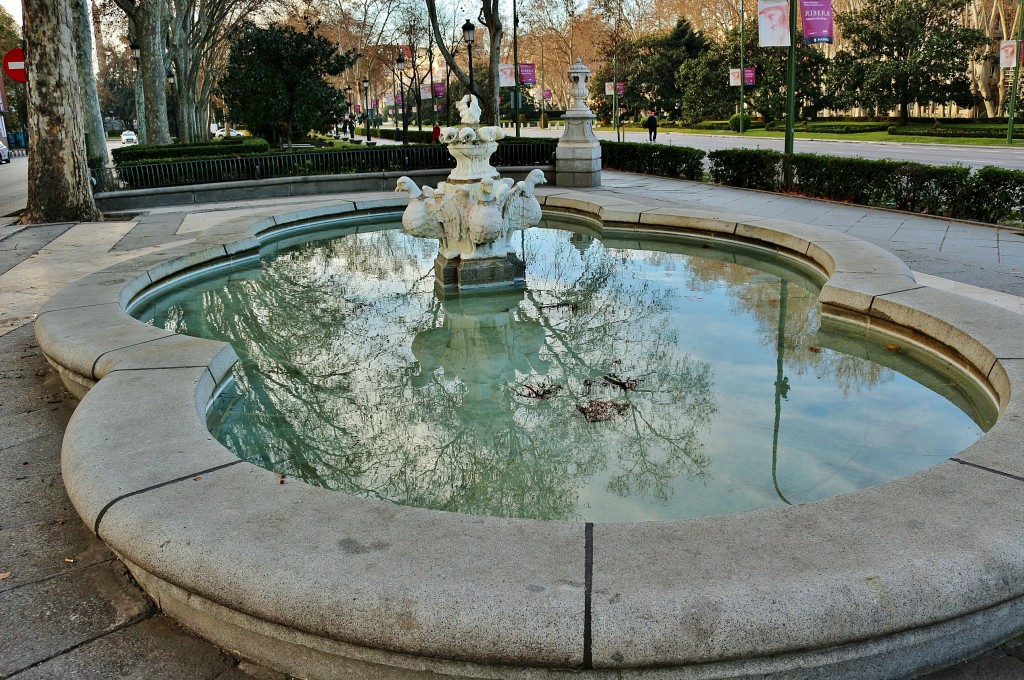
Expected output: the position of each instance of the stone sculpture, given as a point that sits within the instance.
(473, 214)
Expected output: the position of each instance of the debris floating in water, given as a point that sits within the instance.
(538, 391)
(602, 411)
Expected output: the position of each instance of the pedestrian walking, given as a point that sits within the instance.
(435, 135)
(652, 127)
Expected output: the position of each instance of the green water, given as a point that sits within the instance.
(722, 393)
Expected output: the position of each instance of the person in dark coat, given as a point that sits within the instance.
(652, 127)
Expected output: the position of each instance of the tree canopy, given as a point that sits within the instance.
(704, 82)
(275, 83)
(901, 52)
(647, 65)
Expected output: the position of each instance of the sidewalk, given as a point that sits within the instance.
(67, 609)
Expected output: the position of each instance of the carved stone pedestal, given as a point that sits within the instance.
(578, 155)
(457, 275)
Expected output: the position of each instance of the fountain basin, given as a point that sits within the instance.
(884, 582)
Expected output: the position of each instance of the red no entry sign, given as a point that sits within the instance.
(14, 64)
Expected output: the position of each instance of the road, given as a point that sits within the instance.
(14, 176)
(931, 154)
(13, 185)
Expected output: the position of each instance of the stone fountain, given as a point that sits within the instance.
(475, 212)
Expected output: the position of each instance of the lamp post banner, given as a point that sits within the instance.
(734, 77)
(547, 93)
(773, 23)
(527, 74)
(817, 16)
(425, 92)
(506, 75)
(750, 76)
(1008, 54)
(440, 89)
(389, 100)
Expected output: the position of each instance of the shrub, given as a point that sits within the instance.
(735, 120)
(747, 168)
(654, 159)
(994, 195)
(712, 125)
(238, 146)
(974, 132)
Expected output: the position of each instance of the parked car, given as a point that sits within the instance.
(129, 137)
(5, 154)
(233, 133)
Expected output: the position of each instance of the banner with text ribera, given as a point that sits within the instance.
(817, 26)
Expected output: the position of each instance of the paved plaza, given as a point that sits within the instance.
(67, 607)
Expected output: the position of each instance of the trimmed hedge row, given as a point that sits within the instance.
(980, 132)
(654, 159)
(238, 146)
(987, 195)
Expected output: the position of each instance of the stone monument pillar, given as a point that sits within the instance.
(578, 155)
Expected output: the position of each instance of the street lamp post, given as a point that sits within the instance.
(515, 61)
(743, 70)
(433, 95)
(366, 106)
(174, 103)
(140, 101)
(469, 34)
(348, 102)
(1016, 75)
(400, 68)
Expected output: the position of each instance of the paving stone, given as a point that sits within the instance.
(35, 499)
(33, 458)
(994, 665)
(40, 551)
(154, 649)
(41, 620)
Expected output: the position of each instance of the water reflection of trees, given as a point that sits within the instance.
(757, 295)
(330, 389)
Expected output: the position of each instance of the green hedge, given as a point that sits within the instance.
(747, 168)
(415, 136)
(238, 146)
(976, 132)
(991, 194)
(654, 159)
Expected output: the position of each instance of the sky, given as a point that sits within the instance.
(14, 7)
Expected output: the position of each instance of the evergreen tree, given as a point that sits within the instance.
(275, 81)
(901, 52)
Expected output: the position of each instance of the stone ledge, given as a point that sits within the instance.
(914, 574)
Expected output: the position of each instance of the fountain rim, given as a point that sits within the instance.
(915, 573)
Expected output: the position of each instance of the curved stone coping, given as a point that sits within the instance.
(888, 581)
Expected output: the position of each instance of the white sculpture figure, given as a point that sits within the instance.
(418, 220)
(469, 110)
(472, 213)
(490, 134)
(520, 208)
(485, 223)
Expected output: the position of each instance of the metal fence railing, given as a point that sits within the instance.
(382, 159)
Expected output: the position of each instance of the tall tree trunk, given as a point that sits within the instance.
(95, 139)
(97, 32)
(140, 110)
(58, 175)
(152, 39)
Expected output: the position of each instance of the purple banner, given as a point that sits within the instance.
(621, 88)
(750, 76)
(440, 89)
(398, 99)
(527, 74)
(817, 16)
(547, 94)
